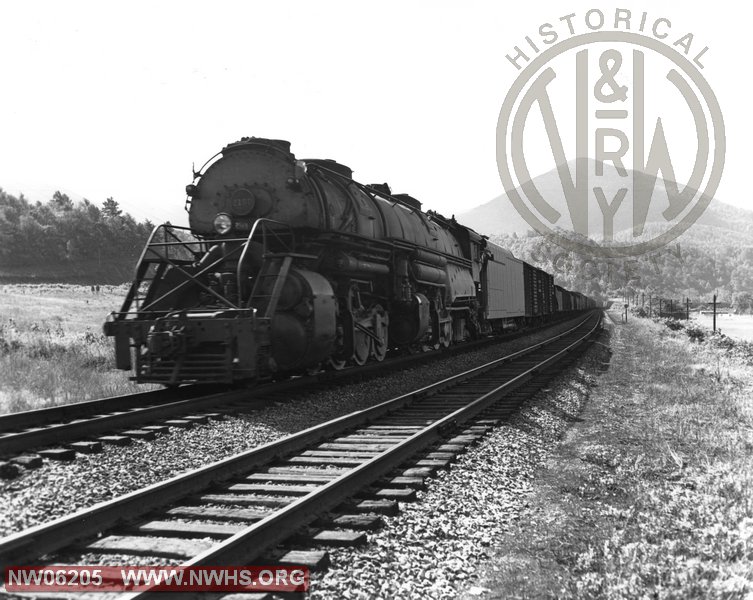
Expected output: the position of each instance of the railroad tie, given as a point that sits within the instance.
(335, 538)
(365, 521)
(86, 447)
(316, 560)
(149, 546)
(115, 440)
(57, 453)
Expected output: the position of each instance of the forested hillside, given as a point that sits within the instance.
(703, 261)
(714, 255)
(65, 241)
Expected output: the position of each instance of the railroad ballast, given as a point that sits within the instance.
(290, 265)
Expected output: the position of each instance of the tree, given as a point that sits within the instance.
(111, 209)
(61, 201)
(91, 210)
(743, 302)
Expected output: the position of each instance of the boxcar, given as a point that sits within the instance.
(539, 291)
(564, 299)
(579, 301)
(502, 285)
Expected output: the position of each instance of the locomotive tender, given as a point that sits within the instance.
(291, 265)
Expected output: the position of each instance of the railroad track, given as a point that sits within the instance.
(267, 495)
(82, 427)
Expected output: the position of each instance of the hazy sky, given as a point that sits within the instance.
(118, 99)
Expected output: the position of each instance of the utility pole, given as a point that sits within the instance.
(687, 308)
(660, 308)
(650, 308)
(714, 313)
(643, 298)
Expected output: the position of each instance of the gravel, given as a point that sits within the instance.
(58, 489)
(433, 547)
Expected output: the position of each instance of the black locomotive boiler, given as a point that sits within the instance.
(290, 265)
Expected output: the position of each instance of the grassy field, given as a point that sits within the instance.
(52, 350)
(735, 326)
(651, 494)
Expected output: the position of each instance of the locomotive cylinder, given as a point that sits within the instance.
(429, 258)
(351, 264)
(427, 274)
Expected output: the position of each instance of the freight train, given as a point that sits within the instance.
(291, 265)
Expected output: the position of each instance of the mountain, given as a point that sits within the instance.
(499, 216)
(714, 256)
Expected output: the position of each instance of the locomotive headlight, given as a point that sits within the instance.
(223, 223)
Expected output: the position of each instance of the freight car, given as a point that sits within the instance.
(291, 265)
(572, 301)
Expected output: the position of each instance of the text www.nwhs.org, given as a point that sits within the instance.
(158, 579)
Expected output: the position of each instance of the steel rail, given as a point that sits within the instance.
(59, 424)
(61, 532)
(64, 412)
(251, 543)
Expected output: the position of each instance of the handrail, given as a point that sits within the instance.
(150, 255)
(262, 224)
(156, 251)
(195, 279)
(136, 279)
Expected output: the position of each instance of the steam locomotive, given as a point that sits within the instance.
(290, 265)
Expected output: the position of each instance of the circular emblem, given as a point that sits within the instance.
(629, 136)
(242, 202)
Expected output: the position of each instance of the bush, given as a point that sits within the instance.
(696, 333)
(673, 324)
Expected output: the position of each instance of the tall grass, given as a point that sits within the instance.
(52, 350)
